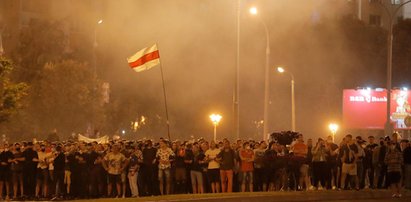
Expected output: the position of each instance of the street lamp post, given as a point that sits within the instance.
(282, 70)
(391, 15)
(95, 45)
(254, 11)
(333, 128)
(215, 118)
(237, 76)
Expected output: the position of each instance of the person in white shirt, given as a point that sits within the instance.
(42, 171)
(213, 172)
(164, 156)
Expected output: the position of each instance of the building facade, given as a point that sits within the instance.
(377, 12)
(78, 18)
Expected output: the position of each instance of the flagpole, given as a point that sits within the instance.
(165, 97)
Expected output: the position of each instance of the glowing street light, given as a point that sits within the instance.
(333, 128)
(282, 70)
(215, 118)
(254, 11)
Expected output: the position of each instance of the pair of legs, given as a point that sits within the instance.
(18, 180)
(396, 188)
(349, 169)
(148, 177)
(280, 179)
(249, 175)
(395, 183)
(132, 179)
(67, 181)
(319, 170)
(59, 182)
(226, 181)
(214, 180)
(180, 176)
(161, 174)
(96, 185)
(2, 183)
(114, 180)
(197, 182)
(304, 177)
(260, 178)
(380, 180)
(42, 182)
(332, 178)
(124, 184)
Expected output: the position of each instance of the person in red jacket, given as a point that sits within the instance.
(247, 166)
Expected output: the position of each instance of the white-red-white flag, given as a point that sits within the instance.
(144, 59)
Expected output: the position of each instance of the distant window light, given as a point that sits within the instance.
(375, 20)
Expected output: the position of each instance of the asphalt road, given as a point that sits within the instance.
(311, 196)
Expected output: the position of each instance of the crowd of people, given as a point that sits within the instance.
(78, 170)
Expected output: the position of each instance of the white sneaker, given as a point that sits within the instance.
(320, 188)
(311, 188)
(334, 188)
(394, 195)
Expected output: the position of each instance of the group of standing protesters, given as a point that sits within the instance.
(74, 170)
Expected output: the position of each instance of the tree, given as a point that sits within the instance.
(11, 93)
(68, 96)
(64, 92)
(40, 42)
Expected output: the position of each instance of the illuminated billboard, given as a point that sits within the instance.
(366, 109)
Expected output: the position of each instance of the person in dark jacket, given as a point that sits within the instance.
(59, 164)
(5, 155)
(196, 160)
(227, 158)
(149, 170)
(30, 169)
(17, 161)
(368, 164)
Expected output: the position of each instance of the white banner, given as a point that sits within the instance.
(101, 140)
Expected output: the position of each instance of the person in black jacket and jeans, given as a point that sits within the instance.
(59, 168)
(149, 170)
